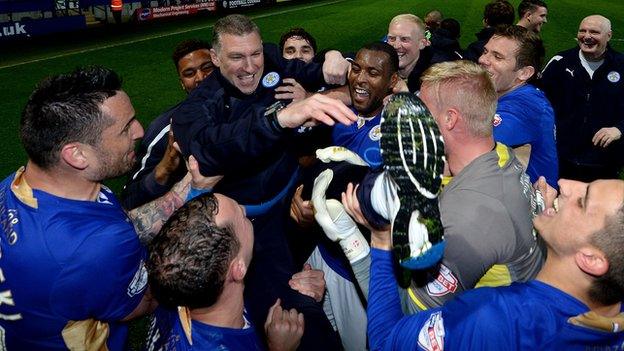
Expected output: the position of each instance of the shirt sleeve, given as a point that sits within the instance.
(476, 239)
(105, 279)
(222, 147)
(384, 308)
(513, 129)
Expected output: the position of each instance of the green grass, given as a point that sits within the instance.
(151, 82)
(149, 75)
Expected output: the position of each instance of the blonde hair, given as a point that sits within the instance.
(468, 88)
(408, 17)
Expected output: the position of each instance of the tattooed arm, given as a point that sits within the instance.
(149, 218)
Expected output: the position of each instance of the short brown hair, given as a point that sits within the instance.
(608, 289)
(237, 25)
(530, 46)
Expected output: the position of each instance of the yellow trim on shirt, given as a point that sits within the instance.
(503, 154)
(415, 299)
(22, 190)
(497, 275)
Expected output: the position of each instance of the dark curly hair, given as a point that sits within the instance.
(190, 256)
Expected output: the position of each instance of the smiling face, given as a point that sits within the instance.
(114, 154)
(240, 60)
(370, 81)
(499, 60)
(407, 39)
(537, 18)
(298, 48)
(582, 210)
(193, 68)
(593, 35)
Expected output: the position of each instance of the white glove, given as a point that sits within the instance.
(418, 236)
(384, 197)
(339, 153)
(335, 222)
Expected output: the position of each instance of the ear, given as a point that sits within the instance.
(215, 58)
(525, 73)
(591, 261)
(74, 154)
(609, 35)
(422, 43)
(394, 79)
(238, 269)
(450, 118)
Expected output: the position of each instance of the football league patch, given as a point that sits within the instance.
(139, 281)
(497, 120)
(431, 335)
(444, 283)
(270, 80)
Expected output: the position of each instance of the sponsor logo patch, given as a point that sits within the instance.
(497, 120)
(139, 281)
(444, 283)
(613, 77)
(431, 335)
(270, 80)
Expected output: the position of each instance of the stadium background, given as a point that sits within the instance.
(140, 53)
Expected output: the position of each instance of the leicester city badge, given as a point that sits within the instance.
(613, 77)
(270, 80)
(375, 133)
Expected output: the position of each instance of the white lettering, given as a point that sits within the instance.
(6, 298)
(19, 29)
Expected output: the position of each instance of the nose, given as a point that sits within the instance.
(567, 187)
(483, 60)
(248, 64)
(137, 130)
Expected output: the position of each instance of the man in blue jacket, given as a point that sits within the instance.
(234, 126)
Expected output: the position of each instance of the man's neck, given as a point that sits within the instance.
(407, 70)
(516, 85)
(60, 182)
(594, 58)
(556, 273)
(463, 153)
(227, 312)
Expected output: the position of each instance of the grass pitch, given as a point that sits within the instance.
(141, 53)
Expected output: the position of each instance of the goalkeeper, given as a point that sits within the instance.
(485, 206)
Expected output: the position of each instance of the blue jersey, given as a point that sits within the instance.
(524, 116)
(361, 137)
(174, 330)
(66, 265)
(522, 316)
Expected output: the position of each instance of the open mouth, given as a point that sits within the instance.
(360, 94)
(556, 204)
(246, 79)
(589, 42)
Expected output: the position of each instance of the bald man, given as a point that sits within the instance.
(585, 88)
(406, 34)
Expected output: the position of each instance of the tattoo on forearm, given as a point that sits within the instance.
(149, 218)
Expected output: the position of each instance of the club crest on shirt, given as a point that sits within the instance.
(444, 283)
(375, 133)
(431, 335)
(139, 281)
(497, 120)
(613, 77)
(270, 80)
